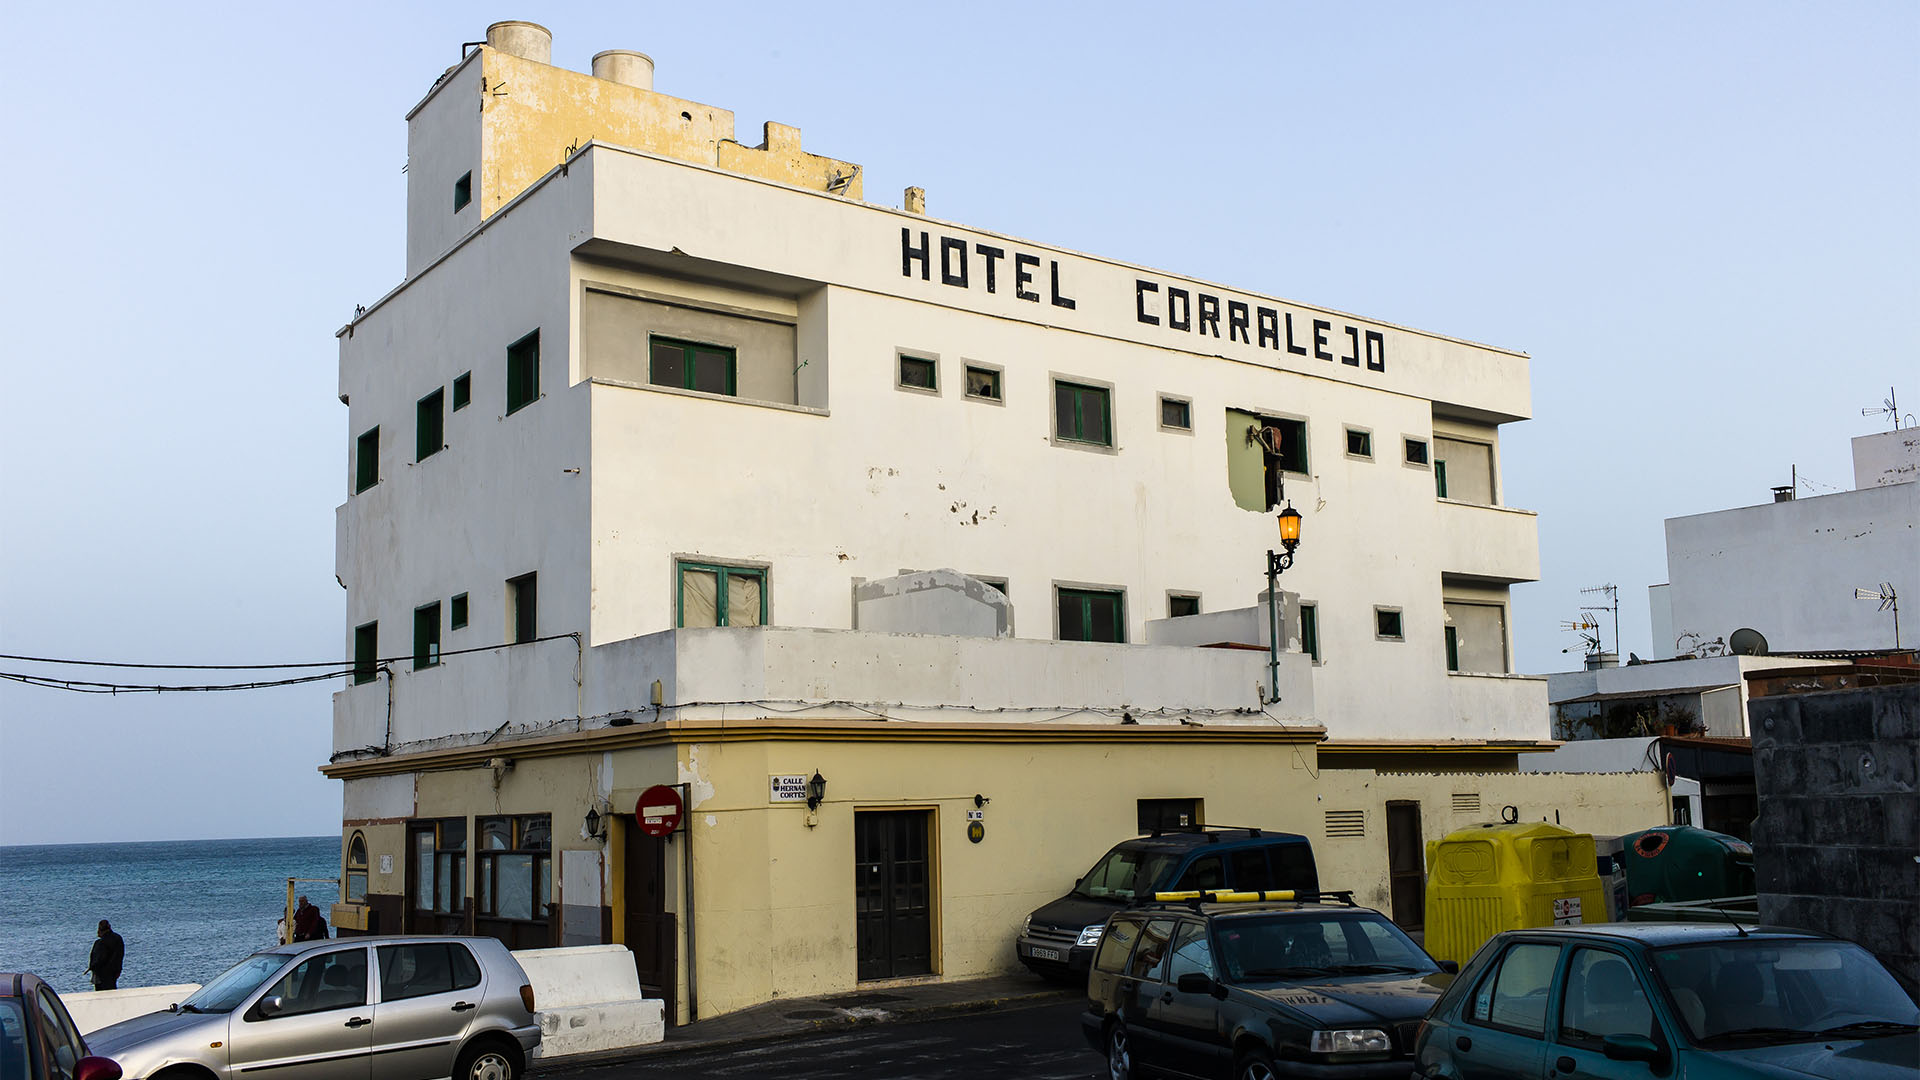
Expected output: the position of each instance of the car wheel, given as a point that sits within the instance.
(1119, 1052)
(487, 1061)
(1255, 1065)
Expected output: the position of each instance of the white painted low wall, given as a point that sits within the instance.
(588, 999)
(94, 1009)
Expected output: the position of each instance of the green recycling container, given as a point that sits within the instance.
(1679, 862)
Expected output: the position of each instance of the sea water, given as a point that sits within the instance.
(188, 909)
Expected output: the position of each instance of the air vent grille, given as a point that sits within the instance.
(1466, 802)
(1346, 824)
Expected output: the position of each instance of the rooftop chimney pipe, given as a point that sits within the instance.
(528, 41)
(624, 66)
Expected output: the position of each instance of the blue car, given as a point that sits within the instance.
(1665, 1001)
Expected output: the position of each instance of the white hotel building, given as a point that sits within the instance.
(641, 447)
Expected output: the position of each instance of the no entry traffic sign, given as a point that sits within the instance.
(658, 811)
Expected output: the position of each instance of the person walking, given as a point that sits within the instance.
(308, 923)
(103, 963)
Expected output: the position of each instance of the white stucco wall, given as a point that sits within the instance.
(1891, 457)
(1789, 569)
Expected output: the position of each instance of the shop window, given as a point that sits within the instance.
(1176, 414)
(366, 652)
(366, 460)
(711, 594)
(1180, 605)
(523, 608)
(523, 372)
(356, 876)
(1092, 615)
(919, 373)
(462, 192)
(1310, 630)
(1082, 414)
(693, 365)
(514, 876)
(426, 636)
(457, 612)
(1359, 443)
(983, 382)
(429, 425)
(1386, 624)
(439, 854)
(462, 390)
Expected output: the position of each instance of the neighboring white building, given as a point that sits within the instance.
(1788, 569)
(663, 459)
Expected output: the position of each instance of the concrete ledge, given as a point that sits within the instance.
(94, 1009)
(588, 1000)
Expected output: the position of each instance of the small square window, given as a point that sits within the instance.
(1176, 414)
(457, 615)
(919, 373)
(712, 594)
(1416, 451)
(1386, 624)
(462, 390)
(1180, 605)
(983, 383)
(1359, 443)
(1091, 614)
(523, 372)
(462, 192)
(1082, 414)
(426, 636)
(429, 425)
(366, 460)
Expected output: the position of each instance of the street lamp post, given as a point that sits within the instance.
(1277, 563)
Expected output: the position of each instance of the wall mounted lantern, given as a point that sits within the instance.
(816, 790)
(1277, 564)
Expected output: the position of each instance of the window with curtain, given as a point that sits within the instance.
(715, 595)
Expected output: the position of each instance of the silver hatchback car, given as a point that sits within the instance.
(386, 1008)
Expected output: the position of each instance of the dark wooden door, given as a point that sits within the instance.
(649, 926)
(892, 893)
(1406, 865)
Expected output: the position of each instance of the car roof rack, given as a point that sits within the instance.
(1211, 832)
(1195, 897)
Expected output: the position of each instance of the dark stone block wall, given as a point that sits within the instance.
(1836, 847)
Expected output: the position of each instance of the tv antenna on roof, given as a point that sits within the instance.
(1612, 593)
(1588, 631)
(1889, 601)
(1889, 408)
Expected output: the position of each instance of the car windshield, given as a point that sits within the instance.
(13, 1040)
(1745, 990)
(225, 993)
(1290, 944)
(1126, 875)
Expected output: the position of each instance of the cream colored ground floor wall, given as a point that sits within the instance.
(1604, 804)
(776, 907)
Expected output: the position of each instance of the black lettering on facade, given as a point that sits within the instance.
(1059, 300)
(1376, 351)
(1353, 359)
(1297, 350)
(1183, 320)
(948, 248)
(908, 253)
(1320, 328)
(1209, 314)
(1269, 321)
(1022, 277)
(1237, 322)
(1140, 291)
(992, 255)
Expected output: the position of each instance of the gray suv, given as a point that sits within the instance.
(388, 1008)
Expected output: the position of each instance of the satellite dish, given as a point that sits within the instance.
(1747, 642)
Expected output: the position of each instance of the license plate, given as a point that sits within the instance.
(1041, 952)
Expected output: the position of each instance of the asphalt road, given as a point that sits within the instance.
(1035, 1043)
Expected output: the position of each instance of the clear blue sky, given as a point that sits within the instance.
(1699, 219)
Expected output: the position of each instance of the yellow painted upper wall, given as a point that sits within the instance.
(533, 113)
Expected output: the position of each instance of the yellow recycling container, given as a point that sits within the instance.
(1488, 878)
